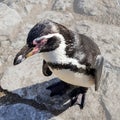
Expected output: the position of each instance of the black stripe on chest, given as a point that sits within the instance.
(71, 67)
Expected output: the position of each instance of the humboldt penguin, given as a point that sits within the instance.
(72, 57)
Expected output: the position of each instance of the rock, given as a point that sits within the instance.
(33, 74)
(38, 1)
(9, 3)
(53, 15)
(9, 19)
(88, 7)
(96, 7)
(21, 111)
(1, 67)
(62, 5)
(106, 11)
(109, 91)
(5, 43)
(43, 3)
(28, 8)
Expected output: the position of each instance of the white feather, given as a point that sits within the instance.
(78, 79)
(59, 55)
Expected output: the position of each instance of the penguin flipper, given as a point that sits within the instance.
(98, 71)
(45, 69)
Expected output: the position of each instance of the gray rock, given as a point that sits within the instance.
(22, 112)
(42, 3)
(10, 2)
(88, 7)
(106, 11)
(38, 1)
(57, 17)
(109, 92)
(1, 0)
(27, 74)
(62, 5)
(9, 18)
(28, 8)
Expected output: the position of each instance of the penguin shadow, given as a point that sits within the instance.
(40, 96)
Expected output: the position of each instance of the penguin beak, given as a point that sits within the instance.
(22, 54)
(27, 51)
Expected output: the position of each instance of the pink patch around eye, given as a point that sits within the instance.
(38, 45)
(34, 42)
(35, 50)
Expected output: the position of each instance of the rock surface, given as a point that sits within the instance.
(23, 88)
(89, 7)
(22, 112)
(9, 18)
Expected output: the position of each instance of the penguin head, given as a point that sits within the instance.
(43, 37)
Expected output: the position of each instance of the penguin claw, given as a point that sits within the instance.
(82, 101)
(58, 88)
(77, 96)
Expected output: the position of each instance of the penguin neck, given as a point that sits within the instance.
(58, 56)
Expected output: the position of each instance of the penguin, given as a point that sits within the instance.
(74, 58)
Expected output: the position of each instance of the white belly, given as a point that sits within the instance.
(59, 56)
(78, 79)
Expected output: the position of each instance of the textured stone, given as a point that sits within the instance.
(62, 5)
(43, 3)
(22, 112)
(28, 8)
(109, 92)
(96, 7)
(9, 18)
(57, 17)
(38, 1)
(88, 7)
(26, 73)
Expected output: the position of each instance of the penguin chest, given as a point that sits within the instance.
(74, 78)
(79, 79)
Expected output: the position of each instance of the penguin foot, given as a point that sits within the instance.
(77, 96)
(58, 88)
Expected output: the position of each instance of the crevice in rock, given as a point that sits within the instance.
(54, 2)
(1, 75)
(107, 113)
(111, 66)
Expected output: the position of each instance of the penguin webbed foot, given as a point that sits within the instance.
(77, 96)
(58, 88)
